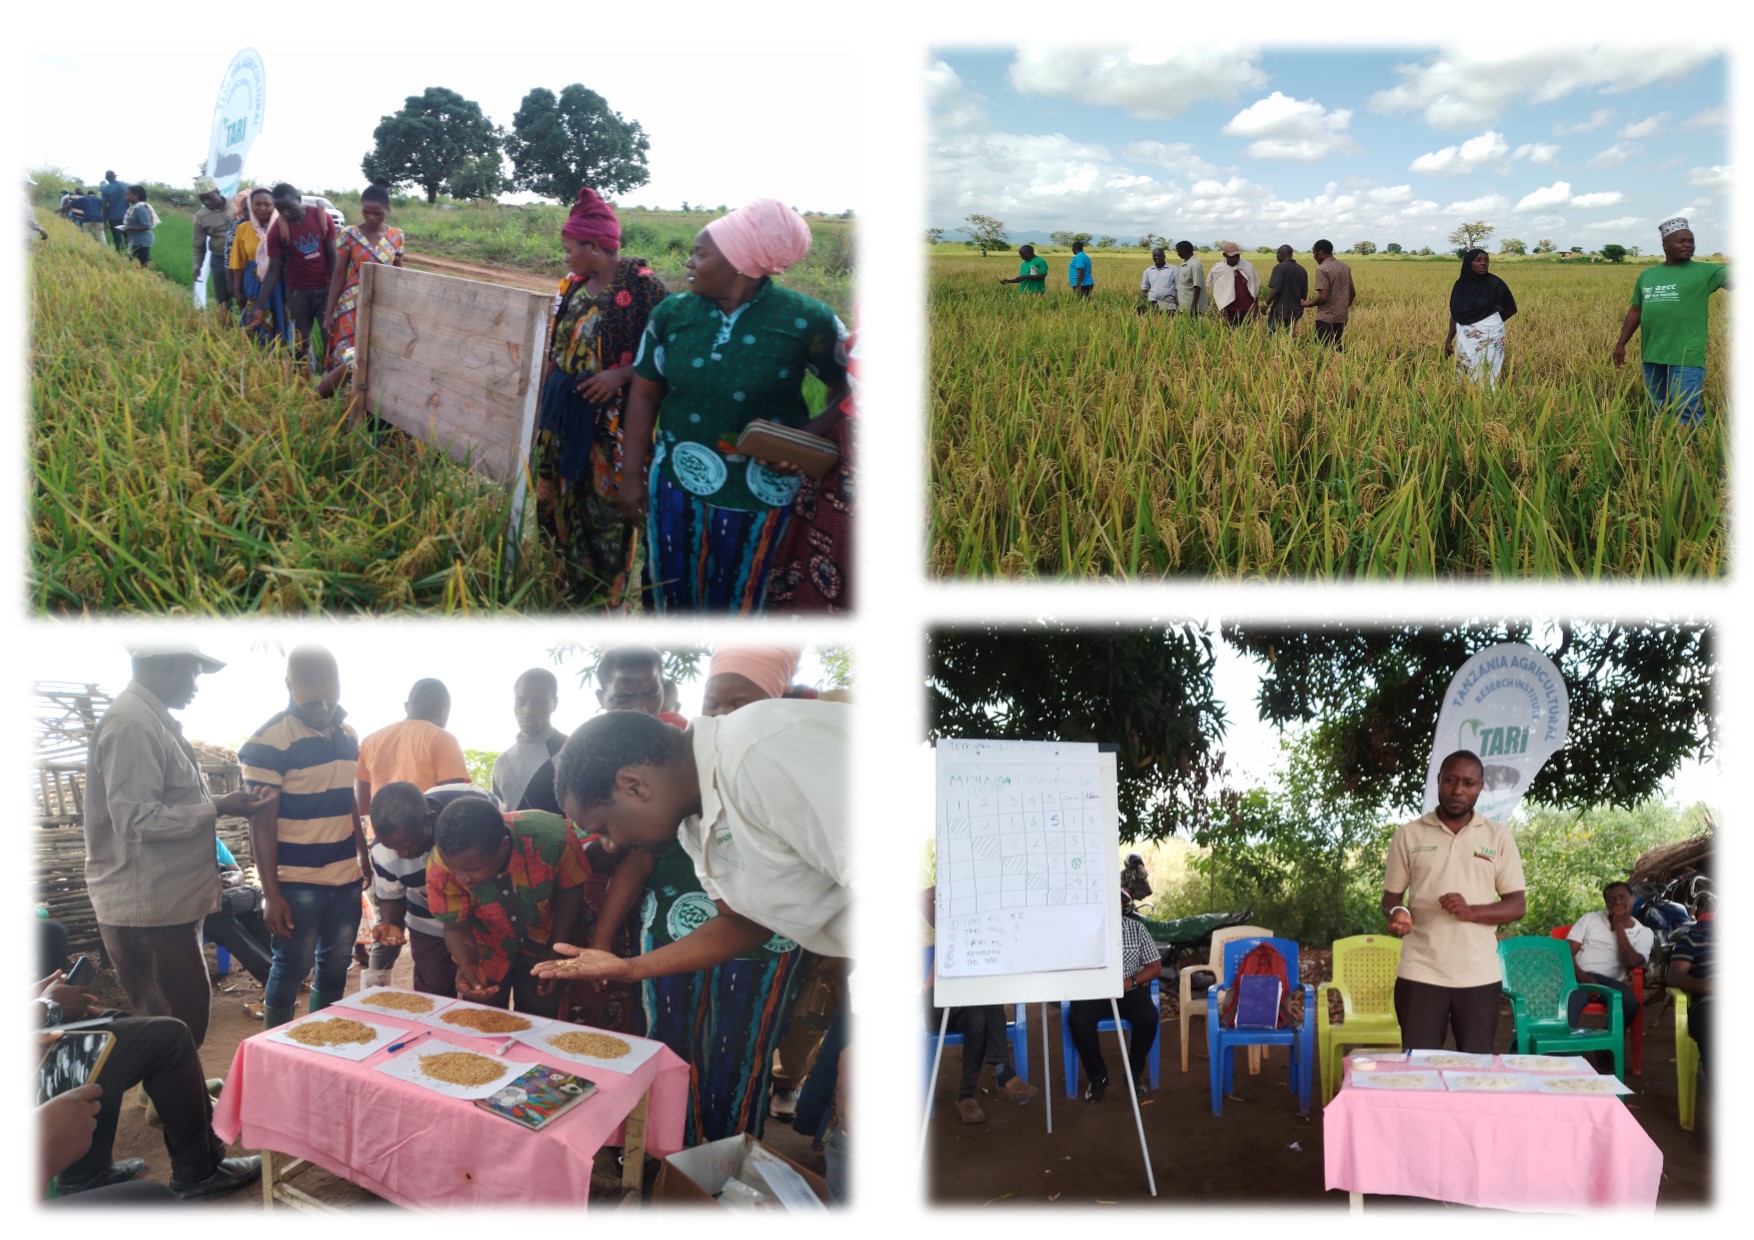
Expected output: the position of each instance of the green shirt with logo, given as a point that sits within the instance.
(1034, 274)
(1673, 303)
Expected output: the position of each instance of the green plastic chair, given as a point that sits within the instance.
(1686, 1062)
(1365, 966)
(1538, 981)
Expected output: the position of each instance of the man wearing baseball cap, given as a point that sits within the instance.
(149, 837)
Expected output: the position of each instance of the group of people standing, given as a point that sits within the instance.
(111, 209)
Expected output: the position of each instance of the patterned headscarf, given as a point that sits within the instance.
(768, 668)
(592, 219)
(761, 239)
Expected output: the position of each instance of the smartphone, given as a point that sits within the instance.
(80, 972)
(72, 1060)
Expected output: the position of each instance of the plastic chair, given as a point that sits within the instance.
(1634, 1035)
(1365, 966)
(1016, 1033)
(1069, 1053)
(1686, 1063)
(1538, 981)
(1221, 1043)
(1214, 965)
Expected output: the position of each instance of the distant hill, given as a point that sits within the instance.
(1014, 238)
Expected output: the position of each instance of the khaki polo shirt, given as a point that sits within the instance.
(1427, 861)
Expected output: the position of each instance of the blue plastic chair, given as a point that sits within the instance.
(1016, 1033)
(1069, 1052)
(1222, 1043)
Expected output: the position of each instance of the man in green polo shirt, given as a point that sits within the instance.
(1032, 272)
(1669, 309)
(1454, 876)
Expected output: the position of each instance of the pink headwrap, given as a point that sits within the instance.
(763, 238)
(592, 219)
(768, 668)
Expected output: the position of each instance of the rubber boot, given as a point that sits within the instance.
(321, 999)
(275, 1016)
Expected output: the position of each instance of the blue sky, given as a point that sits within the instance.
(1579, 144)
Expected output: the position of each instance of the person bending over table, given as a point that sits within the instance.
(757, 801)
(505, 887)
(1140, 962)
(1453, 877)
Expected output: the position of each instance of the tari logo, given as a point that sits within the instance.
(1492, 742)
(1485, 854)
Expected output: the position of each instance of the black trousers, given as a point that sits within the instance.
(118, 238)
(163, 971)
(1580, 999)
(53, 947)
(157, 1052)
(1699, 1027)
(245, 936)
(1136, 1006)
(1330, 334)
(519, 990)
(1427, 1013)
(983, 1042)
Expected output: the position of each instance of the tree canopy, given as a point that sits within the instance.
(1467, 236)
(985, 233)
(431, 140)
(1148, 691)
(1641, 701)
(559, 144)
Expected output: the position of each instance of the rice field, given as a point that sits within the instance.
(1078, 439)
(178, 469)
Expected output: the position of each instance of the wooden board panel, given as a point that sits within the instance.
(456, 363)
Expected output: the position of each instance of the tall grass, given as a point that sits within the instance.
(1078, 439)
(176, 468)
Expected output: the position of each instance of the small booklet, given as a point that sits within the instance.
(537, 1097)
(1257, 1002)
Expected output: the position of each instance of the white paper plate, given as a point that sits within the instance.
(406, 1067)
(1428, 1082)
(1582, 1086)
(439, 1002)
(356, 1051)
(639, 1049)
(1452, 1061)
(1571, 1064)
(1468, 1082)
(437, 1020)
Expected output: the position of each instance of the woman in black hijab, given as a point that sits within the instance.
(1479, 305)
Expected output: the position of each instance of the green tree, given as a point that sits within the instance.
(1364, 247)
(479, 764)
(1510, 245)
(481, 176)
(1393, 247)
(1146, 691)
(429, 141)
(559, 143)
(1424, 251)
(1631, 251)
(1060, 240)
(1468, 236)
(1614, 253)
(985, 233)
(1568, 855)
(1151, 241)
(1641, 700)
(1105, 242)
(934, 236)
(1544, 246)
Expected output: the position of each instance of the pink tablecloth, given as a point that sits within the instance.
(1505, 1151)
(422, 1149)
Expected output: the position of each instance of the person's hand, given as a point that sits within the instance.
(389, 935)
(277, 915)
(65, 1124)
(1453, 904)
(74, 1001)
(231, 878)
(586, 963)
(1449, 346)
(780, 467)
(246, 802)
(1619, 356)
(630, 495)
(1619, 921)
(472, 983)
(604, 386)
(1400, 922)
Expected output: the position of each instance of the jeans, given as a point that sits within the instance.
(1680, 386)
(325, 921)
(305, 307)
(835, 1154)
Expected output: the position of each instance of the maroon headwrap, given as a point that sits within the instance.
(592, 219)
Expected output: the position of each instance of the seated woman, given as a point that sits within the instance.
(1140, 962)
(735, 348)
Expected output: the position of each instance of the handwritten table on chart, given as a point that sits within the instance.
(1021, 856)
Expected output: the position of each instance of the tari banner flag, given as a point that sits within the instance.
(237, 119)
(1509, 705)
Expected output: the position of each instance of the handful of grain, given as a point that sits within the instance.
(596, 1045)
(461, 1068)
(485, 1020)
(334, 1032)
(399, 1001)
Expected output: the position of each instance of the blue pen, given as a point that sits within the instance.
(406, 1042)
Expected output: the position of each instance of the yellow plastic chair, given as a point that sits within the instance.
(1215, 966)
(1686, 1062)
(1364, 976)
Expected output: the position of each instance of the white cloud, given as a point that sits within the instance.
(1458, 90)
(1178, 157)
(1536, 152)
(1619, 153)
(1711, 118)
(1147, 82)
(1547, 221)
(1617, 225)
(1644, 128)
(1421, 207)
(1715, 177)
(1476, 152)
(949, 101)
(1597, 119)
(1486, 204)
(1606, 198)
(1285, 128)
(1390, 193)
(1554, 195)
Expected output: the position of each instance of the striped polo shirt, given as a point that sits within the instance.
(314, 772)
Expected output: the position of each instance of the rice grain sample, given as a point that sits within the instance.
(399, 1001)
(333, 1032)
(462, 1068)
(596, 1045)
(485, 1020)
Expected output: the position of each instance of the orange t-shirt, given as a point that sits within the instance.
(414, 750)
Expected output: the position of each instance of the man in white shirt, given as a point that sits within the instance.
(758, 801)
(1157, 285)
(1606, 946)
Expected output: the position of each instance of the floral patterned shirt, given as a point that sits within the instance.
(547, 857)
